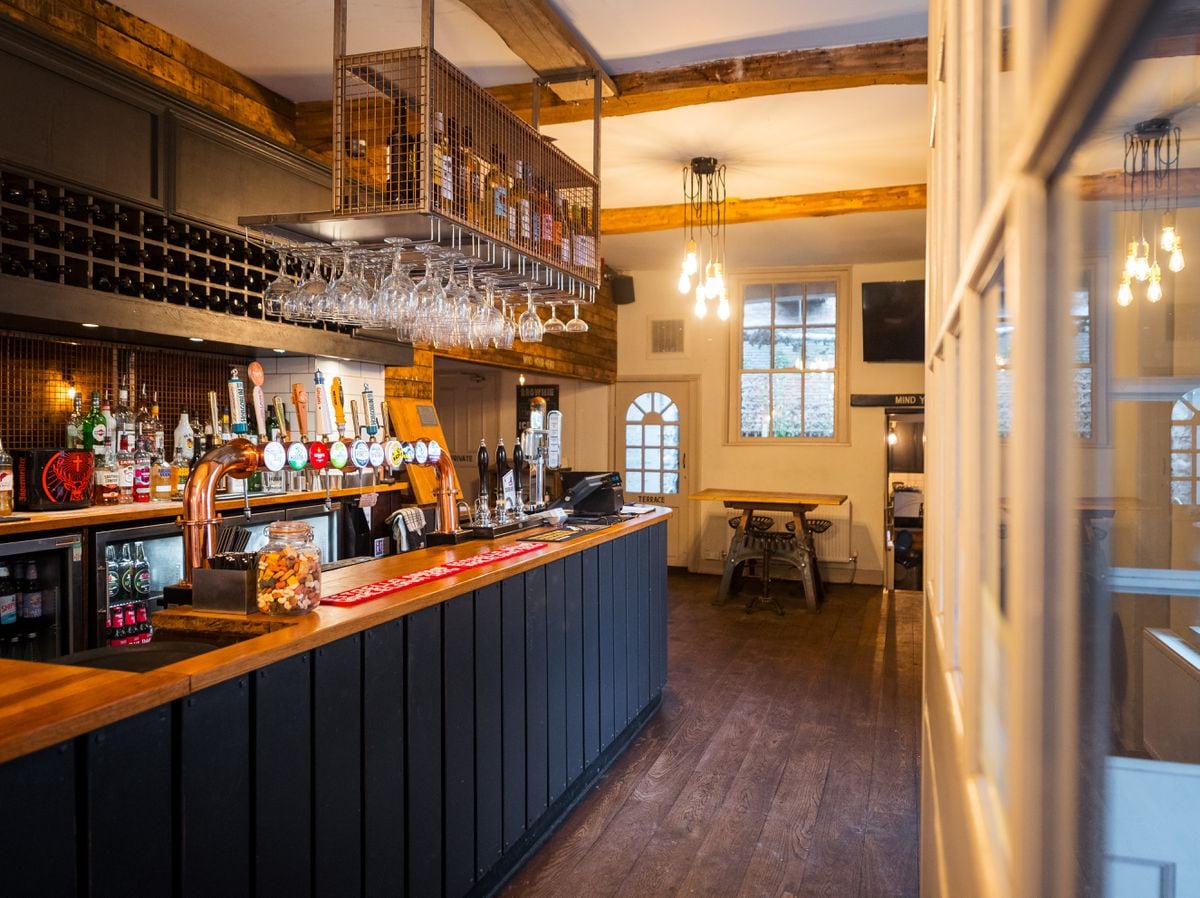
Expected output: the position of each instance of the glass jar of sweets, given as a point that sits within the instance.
(289, 569)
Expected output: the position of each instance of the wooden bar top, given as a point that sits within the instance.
(101, 515)
(763, 498)
(44, 704)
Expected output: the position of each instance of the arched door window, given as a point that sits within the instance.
(652, 445)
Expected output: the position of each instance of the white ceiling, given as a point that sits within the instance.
(798, 143)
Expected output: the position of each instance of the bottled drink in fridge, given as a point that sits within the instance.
(125, 572)
(31, 596)
(112, 576)
(141, 573)
(18, 575)
(8, 603)
(6, 483)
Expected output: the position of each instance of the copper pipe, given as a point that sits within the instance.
(238, 458)
(447, 507)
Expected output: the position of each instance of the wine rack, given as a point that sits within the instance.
(58, 233)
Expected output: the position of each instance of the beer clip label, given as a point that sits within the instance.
(338, 454)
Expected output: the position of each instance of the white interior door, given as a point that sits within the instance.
(652, 430)
(469, 408)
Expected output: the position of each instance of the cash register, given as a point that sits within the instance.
(592, 497)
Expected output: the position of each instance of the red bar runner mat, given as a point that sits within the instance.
(384, 587)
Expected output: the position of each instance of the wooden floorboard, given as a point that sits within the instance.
(784, 760)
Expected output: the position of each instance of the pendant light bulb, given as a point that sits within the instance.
(1154, 292)
(723, 308)
(1167, 237)
(691, 263)
(1131, 260)
(701, 307)
(685, 282)
(718, 280)
(1141, 267)
(1176, 263)
(1124, 293)
(892, 438)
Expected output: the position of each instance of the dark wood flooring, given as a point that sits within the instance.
(784, 759)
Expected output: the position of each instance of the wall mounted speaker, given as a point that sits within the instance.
(622, 289)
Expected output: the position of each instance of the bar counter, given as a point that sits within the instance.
(423, 742)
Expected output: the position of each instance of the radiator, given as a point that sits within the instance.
(833, 545)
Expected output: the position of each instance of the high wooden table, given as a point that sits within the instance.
(803, 554)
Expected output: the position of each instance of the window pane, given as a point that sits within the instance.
(1079, 303)
(643, 402)
(756, 305)
(653, 458)
(818, 405)
(633, 413)
(671, 412)
(1181, 464)
(756, 347)
(633, 458)
(822, 303)
(1083, 340)
(786, 405)
(660, 402)
(820, 348)
(1181, 492)
(789, 304)
(1083, 402)
(670, 484)
(670, 459)
(653, 481)
(754, 417)
(789, 348)
(653, 434)
(633, 481)
(671, 435)
(1003, 401)
(1181, 437)
(1003, 343)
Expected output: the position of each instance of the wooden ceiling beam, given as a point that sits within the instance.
(541, 37)
(898, 198)
(1110, 185)
(832, 68)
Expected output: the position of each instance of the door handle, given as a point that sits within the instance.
(683, 464)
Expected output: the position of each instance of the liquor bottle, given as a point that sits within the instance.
(158, 437)
(400, 164)
(162, 483)
(8, 602)
(497, 185)
(521, 201)
(95, 428)
(75, 424)
(125, 471)
(106, 480)
(180, 469)
(564, 232)
(141, 473)
(185, 438)
(273, 428)
(141, 421)
(6, 483)
(110, 423)
(546, 212)
(443, 165)
(31, 596)
(123, 417)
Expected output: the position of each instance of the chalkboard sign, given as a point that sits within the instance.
(893, 318)
(549, 392)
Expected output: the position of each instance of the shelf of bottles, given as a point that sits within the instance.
(422, 152)
(58, 233)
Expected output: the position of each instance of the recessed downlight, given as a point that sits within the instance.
(196, 339)
(89, 324)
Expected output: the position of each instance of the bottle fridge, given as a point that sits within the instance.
(45, 574)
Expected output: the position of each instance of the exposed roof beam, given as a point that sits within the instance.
(898, 198)
(1110, 185)
(547, 43)
(858, 65)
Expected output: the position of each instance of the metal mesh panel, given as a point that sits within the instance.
(412, 133)
(38, 373)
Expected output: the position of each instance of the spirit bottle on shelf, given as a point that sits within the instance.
(75, 424)
(123, 417)
(162, 482)
(6, 483)
(141, 473)
(95, 430)
(141, 421)
(125, 470)
(106, 480)
(185, 438)
(157, 434)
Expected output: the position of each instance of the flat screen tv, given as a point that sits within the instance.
(893, 321)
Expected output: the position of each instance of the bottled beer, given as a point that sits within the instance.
(8, 602)
(31, 596)
(141, 573)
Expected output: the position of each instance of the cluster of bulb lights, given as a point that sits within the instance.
(704, 215)
(1140, 267)
(711, 286)
(1151, 173)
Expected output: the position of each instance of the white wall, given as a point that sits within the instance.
(281, 371)
(856, 468)
(587, 417)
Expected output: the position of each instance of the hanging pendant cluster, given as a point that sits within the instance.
(1151, 182)
(704, 235)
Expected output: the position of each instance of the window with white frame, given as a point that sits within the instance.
(789, 358)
